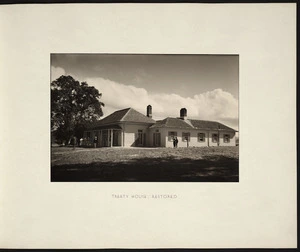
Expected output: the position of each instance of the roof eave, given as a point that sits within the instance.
(132, 122)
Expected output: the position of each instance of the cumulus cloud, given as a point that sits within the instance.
(56, 72)
(216, 105)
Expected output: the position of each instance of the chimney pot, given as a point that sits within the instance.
(183, 113)
(149, 111)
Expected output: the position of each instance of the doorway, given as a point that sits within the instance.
(156, 139)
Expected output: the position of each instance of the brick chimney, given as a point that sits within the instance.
(149, 111)
(183, 113)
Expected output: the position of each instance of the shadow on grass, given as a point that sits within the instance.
(218, 169)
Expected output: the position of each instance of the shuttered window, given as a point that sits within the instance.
(214, 138)
(185, 136)
(201, 137)
(226, 138)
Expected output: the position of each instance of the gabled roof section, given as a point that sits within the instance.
(115, 117)
(124, 115)
(170, 122)
(211, 125)
(134, 116)
(178, 123)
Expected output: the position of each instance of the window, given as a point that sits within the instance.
(185, 136)
(214, 138)
(226, 138)
(201, 137)
(171, 135)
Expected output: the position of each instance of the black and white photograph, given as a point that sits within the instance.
(148, 126)
(144, 118)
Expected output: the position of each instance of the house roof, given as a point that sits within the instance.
(124, 115)
(170, 122)
(131, 115)
(212, 125)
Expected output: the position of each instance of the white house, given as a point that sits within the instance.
(130, 128)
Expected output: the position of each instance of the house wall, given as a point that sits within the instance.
(210, 138)
(131, 134)
(232, 139)
(162, 136)
(194, 142)
(221, 142)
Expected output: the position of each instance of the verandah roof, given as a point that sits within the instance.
(116, 127)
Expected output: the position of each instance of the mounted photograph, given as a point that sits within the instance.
(144, 118)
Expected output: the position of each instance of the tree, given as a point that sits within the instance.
(73, 105)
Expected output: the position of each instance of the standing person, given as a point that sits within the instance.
(95, 141)
(74, 141)
(176, 142)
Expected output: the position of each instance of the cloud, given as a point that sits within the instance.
(216, 105)
(56, 72)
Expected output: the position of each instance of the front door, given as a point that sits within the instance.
(156, 139)
(140, 138)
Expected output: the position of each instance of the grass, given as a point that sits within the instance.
(205, 164)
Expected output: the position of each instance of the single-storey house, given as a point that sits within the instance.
(130, 128)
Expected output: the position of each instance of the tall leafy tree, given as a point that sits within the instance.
(73, 105)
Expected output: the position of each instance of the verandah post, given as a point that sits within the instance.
(111, 137)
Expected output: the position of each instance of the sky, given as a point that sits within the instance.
(206, 85)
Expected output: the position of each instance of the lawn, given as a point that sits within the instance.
(203, 164)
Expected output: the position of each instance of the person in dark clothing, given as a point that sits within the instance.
(95, 141)
(176, 142)
(74, 139)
